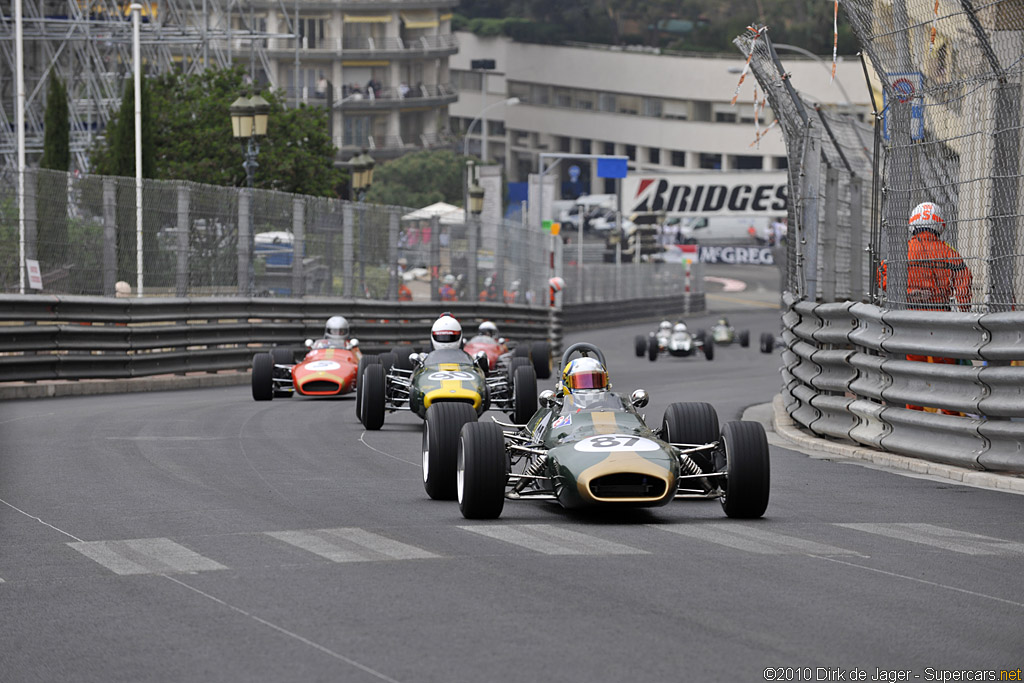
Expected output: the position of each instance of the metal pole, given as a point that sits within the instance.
(579, 259)
(483, 123)
(252, 148)
(20, 112)
(136, 9)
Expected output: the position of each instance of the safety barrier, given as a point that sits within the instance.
(51, 337)
(846, 375)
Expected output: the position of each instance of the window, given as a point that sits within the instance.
(781, 163)
(584, 99)
(606, 102)
(678, 158)
(312, 32)
(726, 117)
(653, 155)
(676, 109)
(563, 97)
(495, 127)
(584, 146)
(609, 148)
(520, 90)
(628, 104)
(701, 111)
(538, 94)
(748, 162)
(564, 144)
(357, 130)
(519, 138)
(710, 161)
(631, 152)
(468, 80)
(652, 107)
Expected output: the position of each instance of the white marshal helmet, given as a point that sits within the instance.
(488, 328)
(446, 333)
(336, 328)
(927, 215)
(448, 279)
(556, 283)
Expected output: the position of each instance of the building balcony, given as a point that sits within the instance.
(391, 146)
(391, 97)
(368, 48)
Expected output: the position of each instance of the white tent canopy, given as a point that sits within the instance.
(447, 213)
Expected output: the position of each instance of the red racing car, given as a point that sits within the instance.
(500, 355)
(329, 369)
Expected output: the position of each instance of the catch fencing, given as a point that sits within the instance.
(947, 130)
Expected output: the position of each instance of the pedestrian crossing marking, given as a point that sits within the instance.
(145, 556)
(751, 539)
(350, 545)
(552, 540)
(941, 537)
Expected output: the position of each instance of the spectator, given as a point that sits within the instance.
(403, 90)
(321, 88)
(490, 290)
(937, 278)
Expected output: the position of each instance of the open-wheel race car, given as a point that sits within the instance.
(769, 341)
(675, 340)
(590, 447)
(723, 333)
(328, 369)
(500, 351)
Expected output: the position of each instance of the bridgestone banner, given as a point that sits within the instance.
(707, 194)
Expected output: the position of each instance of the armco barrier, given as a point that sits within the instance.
(846, 375)
(50, 337)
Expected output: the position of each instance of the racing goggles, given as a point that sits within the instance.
(588, 380)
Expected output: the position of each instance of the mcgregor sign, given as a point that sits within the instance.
(707, 194)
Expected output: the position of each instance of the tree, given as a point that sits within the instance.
(419, 179)
(51, 205)
(193, 137)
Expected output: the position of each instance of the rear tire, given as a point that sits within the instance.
(403, 362)
(767, 342)
(282, 356)
(745, 338)
(482, 468)
(441, 430)
(540, 354)
(748, 470)
(262, 377)
(515, 362)
(521, 351)
(700, 335)
(372, 411)
(695, 423)
(388, 360)
(524, 394)
(364, 361)
(640, 345)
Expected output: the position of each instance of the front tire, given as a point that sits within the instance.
(441, 430)
(692, 423)
(640, 345)
(652, 349)
(709, 348)
(748, 470)
(482, 468)
(364, 361)
(262, 377)
(745, 338)
(524, 394)
(514, 363)
(540, 354)
(767, 342)
(372, 410)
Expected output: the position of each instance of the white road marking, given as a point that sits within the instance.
(351, 545)
(145, 556)
(552, 540)
(393, 457)
(728, 283)
(47, 524)
(751, 539)
(941, 537)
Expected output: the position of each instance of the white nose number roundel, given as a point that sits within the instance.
(607, 443)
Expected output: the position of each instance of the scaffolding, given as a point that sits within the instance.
(88, 44)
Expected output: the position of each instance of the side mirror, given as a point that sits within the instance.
(309, 343)
(501, 340)
(546, 398)
(639, 398)
(417, 358)
(353, 343)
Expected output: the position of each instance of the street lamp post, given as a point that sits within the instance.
(510, 102)
(249, 116)
(476, 207)
(362, 177)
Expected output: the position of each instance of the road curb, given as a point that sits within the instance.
(86, 387)
(786, 427)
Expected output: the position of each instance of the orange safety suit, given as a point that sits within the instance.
(404, 293)
(936, 273)
(447, 293)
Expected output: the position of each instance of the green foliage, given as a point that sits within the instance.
(419, 179)
(115, 155)
(194, 138)
(57, 131)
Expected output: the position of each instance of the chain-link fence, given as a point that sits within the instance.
(947, 80)
(830, 156)
(201, 240)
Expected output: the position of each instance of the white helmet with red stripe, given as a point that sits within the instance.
(446, 333)
(927, 215)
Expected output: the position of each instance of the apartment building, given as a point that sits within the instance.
(667, 113)
(381, 66)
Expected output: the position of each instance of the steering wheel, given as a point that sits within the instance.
(585, 349)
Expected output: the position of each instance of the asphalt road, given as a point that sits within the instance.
(198, 535)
